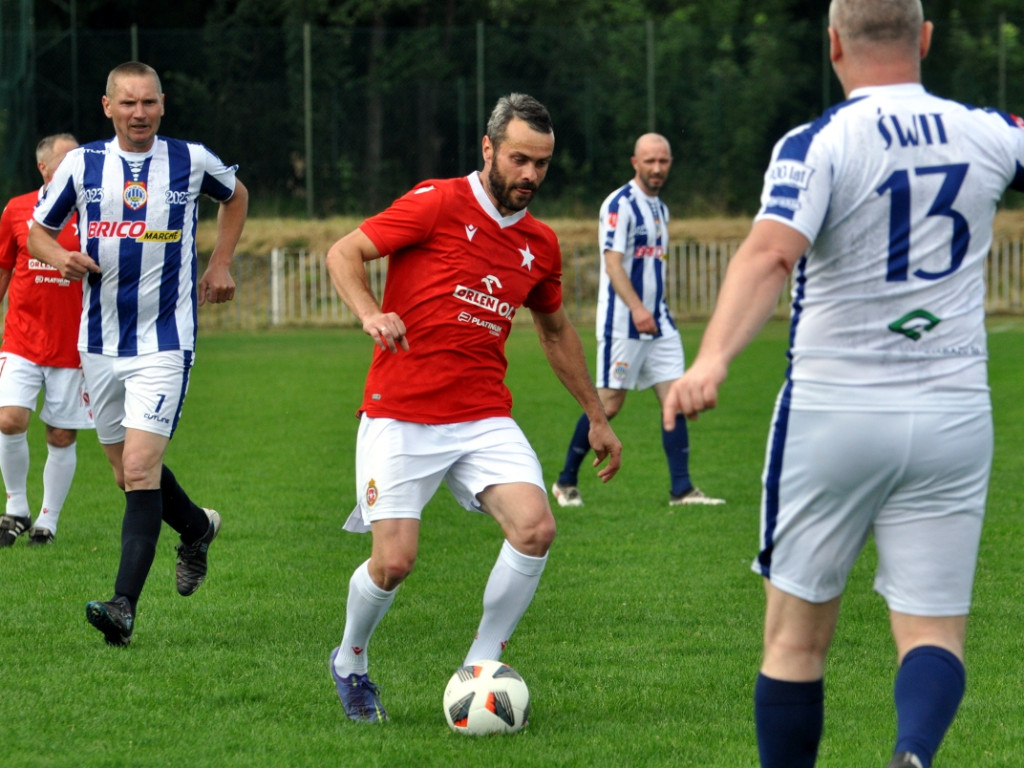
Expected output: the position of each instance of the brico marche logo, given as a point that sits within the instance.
(132, 230)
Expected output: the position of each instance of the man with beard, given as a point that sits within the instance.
(464, 256)
(638, 346)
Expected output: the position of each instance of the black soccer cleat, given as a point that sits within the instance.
(113, 618)
(190, 569)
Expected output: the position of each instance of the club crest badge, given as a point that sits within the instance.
(371, 493)
(135, 195)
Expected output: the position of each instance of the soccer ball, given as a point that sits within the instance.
(486, 697)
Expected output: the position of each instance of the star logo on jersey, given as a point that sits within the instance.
(527, 258)
(470, 231)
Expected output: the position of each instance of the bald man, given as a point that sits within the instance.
(638, 346)
(882, 210)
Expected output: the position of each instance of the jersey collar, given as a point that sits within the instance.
(489, 208)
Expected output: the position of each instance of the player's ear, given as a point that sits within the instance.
(835, 46)
(926, 37)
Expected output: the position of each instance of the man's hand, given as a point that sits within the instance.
(606, 446)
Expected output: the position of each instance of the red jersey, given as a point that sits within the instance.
(43, 308)
(458, 270)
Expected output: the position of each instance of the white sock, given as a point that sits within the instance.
(509, 591)
(14, 467)
(58, 473)
(367, 604)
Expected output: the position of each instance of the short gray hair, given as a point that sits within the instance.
(44, 149)
(517, 105)
(131, 69)
(877, 21)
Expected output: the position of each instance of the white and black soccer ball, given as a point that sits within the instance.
(486, 697)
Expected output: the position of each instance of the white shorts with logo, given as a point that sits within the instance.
(638, 363)
(66, 401)
(401, 464)
(144, 392)
(916, 481)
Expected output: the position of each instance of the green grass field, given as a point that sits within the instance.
(640, 649)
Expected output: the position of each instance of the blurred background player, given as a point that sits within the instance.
(39, 352)
(638, 346)
(136, 196)
(464, 255)
(883, 427)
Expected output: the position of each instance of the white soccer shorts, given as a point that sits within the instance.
(145, 392)
(916, 481)
(65, 401)
(638, 364)
(401, 464)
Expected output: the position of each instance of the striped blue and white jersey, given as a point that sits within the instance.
(635, 225)
(137, 219)
(897, 190)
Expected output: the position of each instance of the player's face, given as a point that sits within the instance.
(514, 170)
(651, 163)
(135, 107)
(48, 165)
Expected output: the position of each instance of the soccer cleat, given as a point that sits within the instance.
(39, 536)
(905, 760)
(359, 696)
(113, 618)
(567, 495)
(190, 569)
(693, 496)
(11, 528)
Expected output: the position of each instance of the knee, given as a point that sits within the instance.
(13, 421)
(60, 438)
(534, 538)
(390, 570)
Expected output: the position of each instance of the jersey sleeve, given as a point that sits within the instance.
(60, 199)
(616, 222)
(546, 296)
(218, 179)
(798, 183)
(408, 220)
(8, 242)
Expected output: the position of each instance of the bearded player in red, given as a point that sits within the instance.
(464, 256)
(39, 352)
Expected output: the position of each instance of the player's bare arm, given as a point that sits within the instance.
(564, 350)
(43, 245)
(5, 282)
(623, 287)
(216, 285)
(345, 264)
(753, 282)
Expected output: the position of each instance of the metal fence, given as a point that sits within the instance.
(292, 288)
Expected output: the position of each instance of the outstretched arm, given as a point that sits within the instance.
(756, 276)
(564, 350)
(345, 264)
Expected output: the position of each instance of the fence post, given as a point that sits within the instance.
(276, 268)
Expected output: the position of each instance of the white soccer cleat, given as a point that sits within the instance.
(567, 495)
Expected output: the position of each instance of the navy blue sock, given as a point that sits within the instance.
(677, 451)
(789, 718)
(929, 686)
(140, 531)
(179, 511)
(578, 447)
